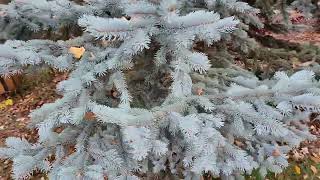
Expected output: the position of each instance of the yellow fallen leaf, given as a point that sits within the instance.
(8, 102)
(5, 103)
(77, 52)
(297, 169)
(314, 169)
(295, 60)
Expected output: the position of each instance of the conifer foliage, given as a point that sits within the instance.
(142, 99)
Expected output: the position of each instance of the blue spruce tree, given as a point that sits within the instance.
(142, 101)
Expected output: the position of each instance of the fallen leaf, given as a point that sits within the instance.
(296, 16)
(3, 13)
(297, 169)
(105, 43)
(296, 155)
(276, 153)
(115, 94)
(315, 159)
(92, 56)
(5, 103)
(8, 102)
(297, 64)
(21, 119)
(77, 52)
(308, 63)
(238, 143)
(89, 116)
(304, 150)
(113, 142)
(313, 169)
(315, 155)
(200, 91)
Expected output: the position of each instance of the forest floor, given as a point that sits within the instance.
(305, 160)
(14, 119)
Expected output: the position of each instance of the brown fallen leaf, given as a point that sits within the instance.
(296, 16)
(3, 13)
(313, 169)
(115, 94)
(297, 64)
(238, 143)
(92, 56)
(89, 116)
(304, 150)
(114, 142)
(306, 64)
(315, 155)
(200, 91)
(105, 43)
(296, 155)
(315, 159)
(276, 153)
